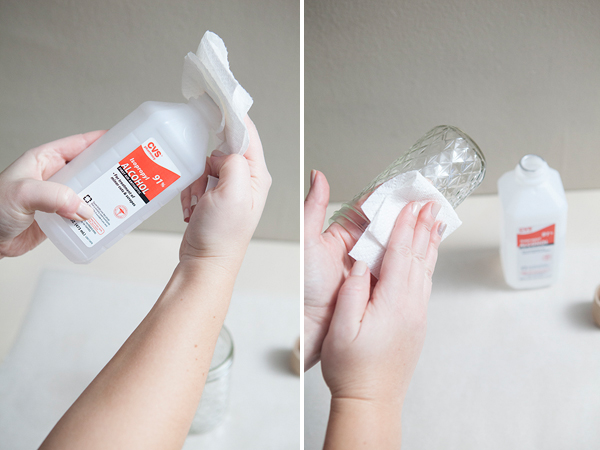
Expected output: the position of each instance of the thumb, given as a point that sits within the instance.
(352, 301)
(47, 196)
(231, 170)
(315, 206)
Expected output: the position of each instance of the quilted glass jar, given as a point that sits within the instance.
(446, 156)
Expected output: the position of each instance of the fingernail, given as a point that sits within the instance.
(84, 211)
(441, 229)
(194, 201)
(186, 214)
(217, 153)
(313, 175)
(359, 269)
(415, 209)
(435, 209)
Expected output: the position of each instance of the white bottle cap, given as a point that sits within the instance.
(532, 169)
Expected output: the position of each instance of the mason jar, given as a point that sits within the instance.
(446, 156)
(214, 403)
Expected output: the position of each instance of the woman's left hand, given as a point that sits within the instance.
(24, 190)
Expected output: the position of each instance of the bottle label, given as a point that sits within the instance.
(123, 190)
(535, 252)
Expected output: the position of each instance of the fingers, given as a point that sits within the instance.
(432, 251)
(28, 239)
(421, 239)
(191, 194)
(34, 195)
(233, 171)
(53, 155)
(398, 257)
(185, 197)
(256, 159)
(255, 150)
(410, 258)
(352, 301)
(315, 206)
(256, 168)
(197, 189)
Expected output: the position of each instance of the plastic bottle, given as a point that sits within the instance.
(533, 224)
(131, 172)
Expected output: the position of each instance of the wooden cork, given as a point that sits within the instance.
(596, 307)
(295, 358)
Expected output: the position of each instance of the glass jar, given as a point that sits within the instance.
(446, 156)
(214, 402)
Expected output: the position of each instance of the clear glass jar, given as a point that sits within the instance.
(214, 403)
(446, 156)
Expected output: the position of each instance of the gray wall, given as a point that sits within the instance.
(73, 66)
(519, 76)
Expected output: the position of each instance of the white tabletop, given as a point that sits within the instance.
(501, 368)
(61, 322)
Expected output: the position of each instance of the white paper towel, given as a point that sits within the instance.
(383, 207)
(208, 71)
(211, 183)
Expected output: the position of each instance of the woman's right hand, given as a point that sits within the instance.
(222, 220)
(376, 335)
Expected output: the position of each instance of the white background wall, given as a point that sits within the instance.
(80, 65)
(519, 76)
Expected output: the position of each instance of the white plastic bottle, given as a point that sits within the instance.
(533, 224)
(151, 155)
(131, 172)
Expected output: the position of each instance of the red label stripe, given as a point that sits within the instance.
(150, 177)
(545, 236)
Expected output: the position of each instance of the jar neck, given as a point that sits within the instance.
(352, 219)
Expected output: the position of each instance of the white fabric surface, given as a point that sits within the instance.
(383, 207)
(76, 323)
(501, 369)
(208, 71)
(73, 327)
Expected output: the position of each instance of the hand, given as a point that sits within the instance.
(23, 190)
(223, 219)
(326, 265)
(376, 335)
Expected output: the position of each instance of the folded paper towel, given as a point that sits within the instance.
(383, 207)
(208, 71)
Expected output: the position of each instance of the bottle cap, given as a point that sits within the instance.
(531, 169)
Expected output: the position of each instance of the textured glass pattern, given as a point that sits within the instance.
(446, 156)
(214, 403)
(213, 406)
